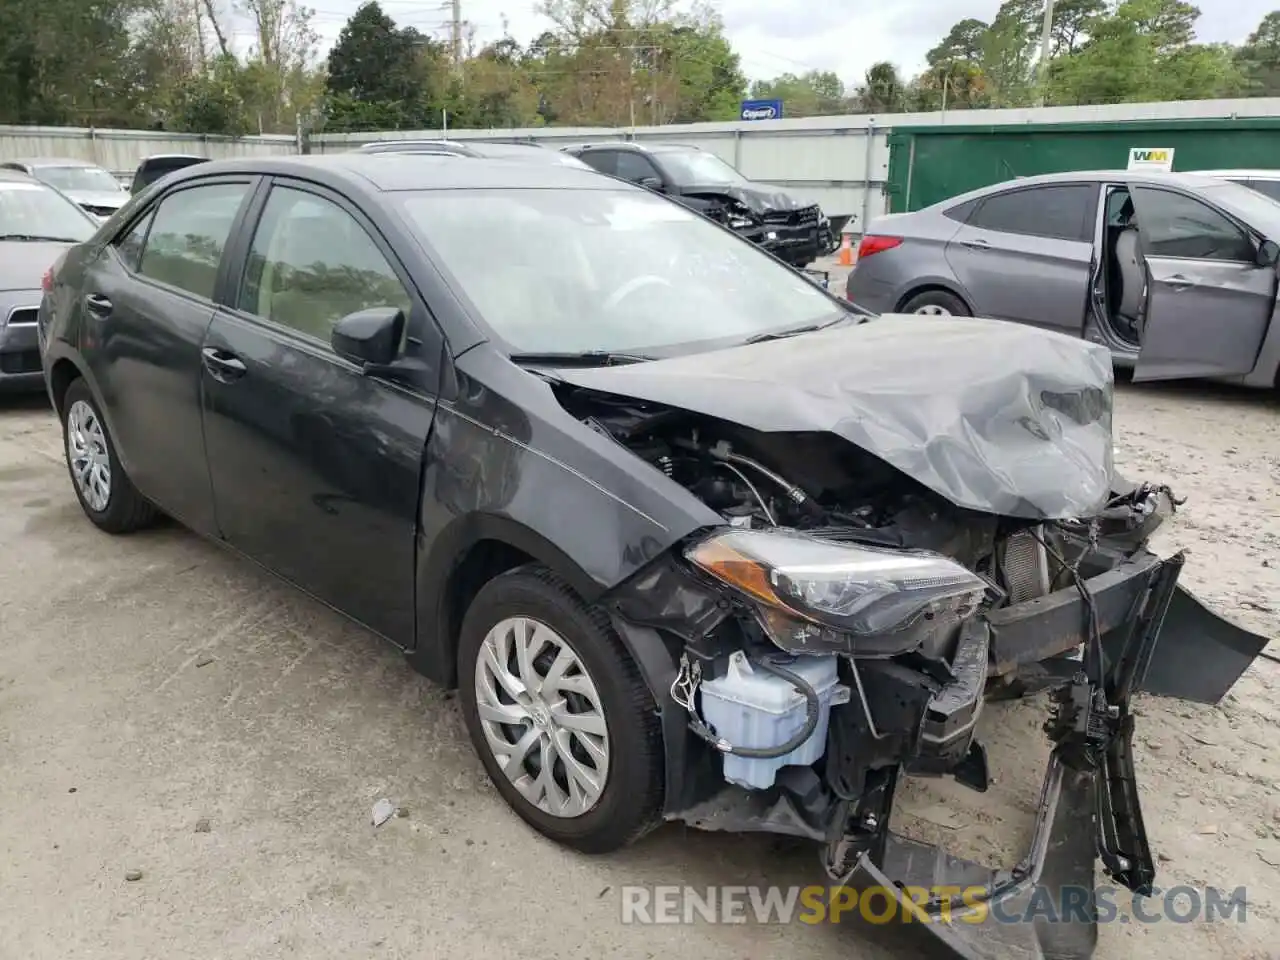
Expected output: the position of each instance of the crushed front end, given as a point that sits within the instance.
(836, 636)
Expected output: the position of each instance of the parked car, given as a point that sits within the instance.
(88, 184)
(1133, 261)
(794, 230)
(695, 540)
(532, 152)
(37, 225)
(160, 165)
(1266, 182)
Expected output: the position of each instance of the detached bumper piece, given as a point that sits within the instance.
(1044, 908)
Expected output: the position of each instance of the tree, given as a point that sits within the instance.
(964, 44)
(1008, 51)
(1070, 24)
(817, 93)
(1144, 50)
(380, 73)
(1258, 59)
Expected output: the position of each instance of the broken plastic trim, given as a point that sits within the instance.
(1088, 807)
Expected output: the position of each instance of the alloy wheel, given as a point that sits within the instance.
(933, 310)
(88, 456)
(541, 716)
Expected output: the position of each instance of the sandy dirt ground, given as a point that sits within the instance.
(170, 713)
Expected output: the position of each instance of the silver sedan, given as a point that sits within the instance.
(1175, 273)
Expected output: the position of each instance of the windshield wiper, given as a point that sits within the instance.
(794, 331)
(595, 358)
(33, 238)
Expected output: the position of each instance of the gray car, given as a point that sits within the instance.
(1175, 273)
(88, 184)
(37, 226)
(532, 152)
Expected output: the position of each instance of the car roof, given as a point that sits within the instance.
(391, 172)
(1188, 181)
(1251, 174)
(53, 162)
(638, 147)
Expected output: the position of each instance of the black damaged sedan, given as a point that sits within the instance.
(695, 540)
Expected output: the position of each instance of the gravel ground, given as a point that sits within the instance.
(168, 709)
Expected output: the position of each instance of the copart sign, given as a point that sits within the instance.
(761, 110)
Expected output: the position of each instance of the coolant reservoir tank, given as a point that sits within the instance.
(749, 707)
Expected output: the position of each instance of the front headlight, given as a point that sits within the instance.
(816, 596)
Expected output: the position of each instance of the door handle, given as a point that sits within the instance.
(98, 305)
(978, 244)
(222, 365)
(1179, 282)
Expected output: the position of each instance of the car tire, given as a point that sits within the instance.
(109, 499)
(936, 302)
(628, 797)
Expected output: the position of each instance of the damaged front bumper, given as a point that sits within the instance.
(1089, 808)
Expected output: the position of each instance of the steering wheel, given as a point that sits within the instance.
(631, 286)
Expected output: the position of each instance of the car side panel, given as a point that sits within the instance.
(1038, 281)
(505, 463)
(145, 357)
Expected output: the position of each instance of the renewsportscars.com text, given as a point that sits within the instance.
(817, 904)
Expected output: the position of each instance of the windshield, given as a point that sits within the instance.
(698, 167)
(1255, 208)
(79, 178)
(570, 271)
(1268, 188)
(35, 211)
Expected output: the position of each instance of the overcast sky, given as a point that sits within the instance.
(772, 37)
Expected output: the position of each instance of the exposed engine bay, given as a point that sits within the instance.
(810, 744)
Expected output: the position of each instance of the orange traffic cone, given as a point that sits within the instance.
(846, 251)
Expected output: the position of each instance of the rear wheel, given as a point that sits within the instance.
(106, 494)
(937, 303)
(563, 722)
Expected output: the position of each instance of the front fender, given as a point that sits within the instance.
(517, 470)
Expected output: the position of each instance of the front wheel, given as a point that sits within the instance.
(563, 722)
(105, 492)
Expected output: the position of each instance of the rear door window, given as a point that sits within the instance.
(1057, 212)
(188, 235)
(606, 161)
(634, 167)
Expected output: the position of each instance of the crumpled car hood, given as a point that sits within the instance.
(758, 199)
(993, 416)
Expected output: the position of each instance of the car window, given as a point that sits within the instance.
(1175, 225)
(961, 211)
(634, 167)
(1056, 212)
(189, 231)
(1268, 188)
(33, 211)
(79, 178)
(311, 264)
(130, 244)
(603, 160)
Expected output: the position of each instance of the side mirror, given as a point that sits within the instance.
(370, 338)
(1268, 253)
(650, 183)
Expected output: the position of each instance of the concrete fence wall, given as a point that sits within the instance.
(839, 162)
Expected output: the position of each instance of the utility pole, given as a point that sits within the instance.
(456, 33)
(199, 33)
(1046, 40)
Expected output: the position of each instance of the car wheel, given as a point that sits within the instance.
(557, 709)
(106, 494)
(937, 303)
